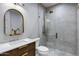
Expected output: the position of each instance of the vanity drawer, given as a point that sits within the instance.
(26, 48)
(29, 53)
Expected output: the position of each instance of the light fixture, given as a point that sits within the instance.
(20, 4)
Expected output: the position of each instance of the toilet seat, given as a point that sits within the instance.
(42, 48)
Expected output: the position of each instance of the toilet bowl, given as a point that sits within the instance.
(41, 50)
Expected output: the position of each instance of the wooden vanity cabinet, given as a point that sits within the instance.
(25, 50)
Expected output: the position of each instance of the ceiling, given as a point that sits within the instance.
(48, 4)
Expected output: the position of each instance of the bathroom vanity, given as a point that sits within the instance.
(25, 50)
(24, 47)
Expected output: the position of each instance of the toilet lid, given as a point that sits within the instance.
(42, 48)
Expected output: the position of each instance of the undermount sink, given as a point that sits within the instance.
(17, 42)
(27, 39)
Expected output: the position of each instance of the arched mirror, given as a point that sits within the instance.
(13, 22)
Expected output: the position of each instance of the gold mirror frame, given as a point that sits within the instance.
(5, 22)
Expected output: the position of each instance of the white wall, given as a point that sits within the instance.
(30, 13)
(41, 11)
(32, 10)
(36, 21)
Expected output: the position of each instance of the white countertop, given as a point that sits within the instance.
(14, 44)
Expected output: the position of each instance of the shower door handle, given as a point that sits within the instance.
(56, 35)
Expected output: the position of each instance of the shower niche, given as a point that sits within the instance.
(13, 23)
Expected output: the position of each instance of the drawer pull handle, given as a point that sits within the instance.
(23, 46)
(25, 54)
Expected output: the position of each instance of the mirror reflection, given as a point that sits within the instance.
(13, 23)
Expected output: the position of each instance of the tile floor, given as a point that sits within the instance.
(56, 52)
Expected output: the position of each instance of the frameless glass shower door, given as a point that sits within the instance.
(61, 28)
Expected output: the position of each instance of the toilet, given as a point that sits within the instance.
(41, 50)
